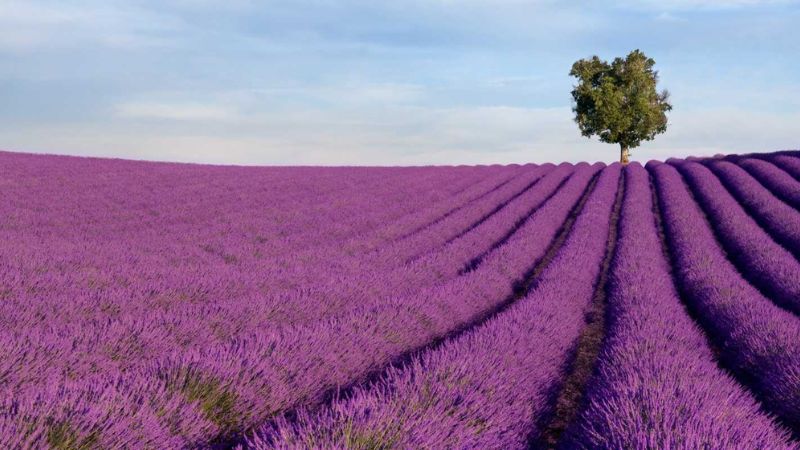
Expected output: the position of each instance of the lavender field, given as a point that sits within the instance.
(170, 306)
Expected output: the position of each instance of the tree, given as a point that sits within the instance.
(619, 102)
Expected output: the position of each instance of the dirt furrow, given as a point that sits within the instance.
(567, 401)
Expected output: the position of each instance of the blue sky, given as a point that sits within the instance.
(373, 82)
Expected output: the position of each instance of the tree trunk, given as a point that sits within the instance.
(624, 154)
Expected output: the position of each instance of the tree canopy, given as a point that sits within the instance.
(619, 102)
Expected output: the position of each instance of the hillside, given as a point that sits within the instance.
(161, 305)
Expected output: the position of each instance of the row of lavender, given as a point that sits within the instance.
(483, 388)
(201, 368)
(757, 340)
(132, 361)
(94, 248)
(657, 383)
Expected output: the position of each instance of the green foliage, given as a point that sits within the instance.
(61, 436)
(217, 403)
(619, 102)
(380, 438)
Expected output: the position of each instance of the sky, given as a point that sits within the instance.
(400, 82)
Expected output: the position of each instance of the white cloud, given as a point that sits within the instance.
(173, 111)
(725, 130)
(248, 106)
(30, 13)
(403, 135)
(397, 135)
(351, 93)
(669, 17)
(510, 81)
(34, 24)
